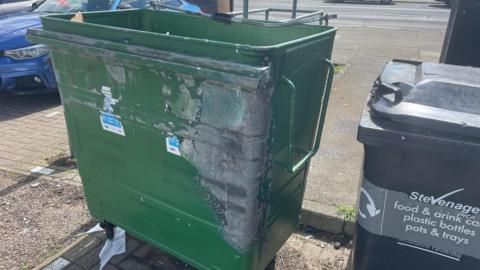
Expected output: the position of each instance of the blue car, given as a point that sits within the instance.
(26, 68)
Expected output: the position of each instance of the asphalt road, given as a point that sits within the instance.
(402, 14)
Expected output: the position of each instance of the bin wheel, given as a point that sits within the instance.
(109, 232)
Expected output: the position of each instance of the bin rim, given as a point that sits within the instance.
(55, 18)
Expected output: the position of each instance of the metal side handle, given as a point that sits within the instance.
(321, 119)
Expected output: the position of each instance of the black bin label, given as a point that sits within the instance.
(436, 224)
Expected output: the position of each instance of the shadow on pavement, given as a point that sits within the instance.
(28, 179)
(12, 106)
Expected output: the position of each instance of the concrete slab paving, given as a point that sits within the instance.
(28, 137)
(336, 170)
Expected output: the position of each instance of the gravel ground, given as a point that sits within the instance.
(37, 218)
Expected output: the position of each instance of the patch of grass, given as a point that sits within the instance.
(26, 266)
(339, 68)
(347, 212)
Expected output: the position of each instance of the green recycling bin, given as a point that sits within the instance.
(192, 134)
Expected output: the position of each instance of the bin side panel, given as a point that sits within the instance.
(304, 65)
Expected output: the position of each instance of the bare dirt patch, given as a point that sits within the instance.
(314, 250)
(37, 218)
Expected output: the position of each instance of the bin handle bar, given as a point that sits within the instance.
(293, 168)
(311, 16)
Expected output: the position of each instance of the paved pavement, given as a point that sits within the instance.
(33, 134)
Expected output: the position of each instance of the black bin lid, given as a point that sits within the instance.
(429, 106)
(430, 95)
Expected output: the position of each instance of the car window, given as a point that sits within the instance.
(65, 6)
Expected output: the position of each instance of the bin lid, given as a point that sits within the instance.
(434, 96)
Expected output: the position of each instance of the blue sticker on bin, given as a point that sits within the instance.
(112, 123)
(173, 145)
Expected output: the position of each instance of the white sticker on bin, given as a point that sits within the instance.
(111, 123)
(173, 145)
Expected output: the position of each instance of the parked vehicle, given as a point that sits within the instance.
(178, 5)
(26, 68)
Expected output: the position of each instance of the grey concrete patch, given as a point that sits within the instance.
(58, 264)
